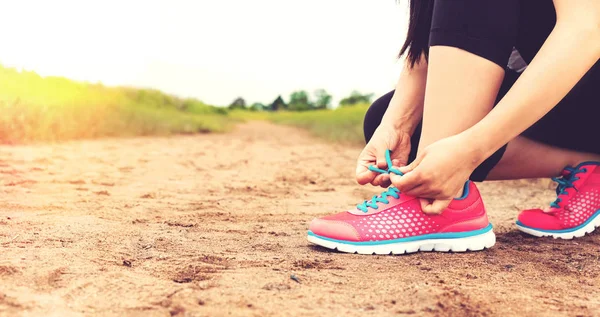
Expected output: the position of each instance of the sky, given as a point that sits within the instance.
(213, 50)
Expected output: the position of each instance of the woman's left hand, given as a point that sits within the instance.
(439, 173)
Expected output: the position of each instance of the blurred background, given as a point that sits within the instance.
(142, 215)
(85, 69)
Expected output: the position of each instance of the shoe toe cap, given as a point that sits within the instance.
(334, 229)
(538, 219)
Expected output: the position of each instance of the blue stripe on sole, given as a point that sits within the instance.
(581, 226)
(445, 235)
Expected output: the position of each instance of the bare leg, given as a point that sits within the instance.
(525, 158)
(461, 90)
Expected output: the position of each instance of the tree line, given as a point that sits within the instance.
(301, 101)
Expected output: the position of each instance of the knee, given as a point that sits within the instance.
(375, 114)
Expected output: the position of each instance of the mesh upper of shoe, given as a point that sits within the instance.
(580, 208)
(403, 218)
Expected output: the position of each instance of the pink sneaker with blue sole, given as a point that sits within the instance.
(393, 223)
(575, 212)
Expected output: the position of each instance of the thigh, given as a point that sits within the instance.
(574, 123)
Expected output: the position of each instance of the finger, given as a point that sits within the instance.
(384, 178)
(380, 180)
(410, 167)
(386, 184)
(424, 203)
(436, 207)
(381, 162)
(360, 169)
(376, 181)
(408, 181)
(399, 158)
(365, 177)
(365, 159)
(421, 191)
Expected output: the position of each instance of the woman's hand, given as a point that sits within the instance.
(439, 173)
(385, 137)
(400, 120)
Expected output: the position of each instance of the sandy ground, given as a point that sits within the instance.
(214, 225)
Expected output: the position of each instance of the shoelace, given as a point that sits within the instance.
(565, 182)
(390, 192)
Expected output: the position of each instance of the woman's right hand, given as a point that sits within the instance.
(385, 137)
(398, 124)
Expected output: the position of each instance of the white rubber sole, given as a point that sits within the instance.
(576, 232)
(472, 243)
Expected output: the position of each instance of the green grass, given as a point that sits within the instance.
(342, 125)
(35, 108)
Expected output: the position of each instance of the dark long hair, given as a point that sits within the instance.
(417, 37)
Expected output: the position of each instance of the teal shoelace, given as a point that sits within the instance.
(565, 182)
(390, 192)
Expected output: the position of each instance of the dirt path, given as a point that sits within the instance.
(214, 225)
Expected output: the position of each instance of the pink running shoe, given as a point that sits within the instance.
(575, 212)
(393, 223)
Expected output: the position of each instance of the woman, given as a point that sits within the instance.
(459, 113)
